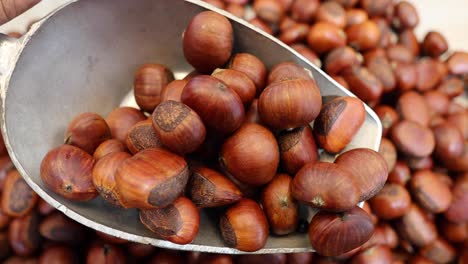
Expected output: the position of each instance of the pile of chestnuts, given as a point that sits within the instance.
(232, 135)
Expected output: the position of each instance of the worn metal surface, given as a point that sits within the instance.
(82, 58)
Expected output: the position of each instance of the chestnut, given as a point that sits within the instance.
(235, 9)
(428, 74)
(58, 254)
(101, 253)
(459, 163)
(413, 139)
(270, 11)
(295, 33)
(339, 120)
(104, 175)
(178, 127)
(67, 171)
(23, 234)
(326, 186)
(452, 87)
(219, 106)
(251, 154)
(281, 209)
(416, 227)
(458, 211)
(288, 71)
(399, 53)
(209, 188)
(178, 222)
(286, 22)
(148, 83)
(150, 179)
(332, 234)
(367, 168)
(449, 141)
(363, 36)
(388, 116)
(138, 250)
(460, 120)
(413, 107)
(324, 37)
(400, 173)
(310, 55)
(244, 226)
(260, 24)
(406, 16)
(289, 104)
(277, 258)
(87, 131)
(239, 82)
(439, 251)
(4, 220)
(5, 166)
(382, 69)
(300, 258)
(355, 16)
(216, 3)
(110, 238)
(437, 101)
(379, 254)
(217, 259)
(173, 90)
(340, 59)
(44, 208)
(167, 257)
(252, 67)
(252, 115)
(391, 202)
(59, 228)
(388, 151)
(434, 44)
(408, 38)
(297, 147)
(121, 119)
(341, 81)
(142, 136)
(423, 163)
(458, 63)
(347, 3)
(204, 50)
(107, 147)
(18, 199)
(331, 12)
(363, 83)
(454, 232)
(304, 10)
(406, 75)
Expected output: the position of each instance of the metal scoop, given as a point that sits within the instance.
(82, 58)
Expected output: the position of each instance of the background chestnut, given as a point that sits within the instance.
(416, 227)
(178, 127)
(458, 211)
(107, 147)
(304, 10)
(244, 226)
(23, 234)
(388, 116)
(363, 36)
(281, 209)
(324, 37)
(430, 192)
(204, 50)
(150, 179)
(439, 251)
(391, 202)
(405, 16)
(413, 107)
(18, 198)
(67, 171)
(388, 152)
(270, 11)
(148, 83)
(142, 136)
(121, 119)
(239, 82)
(331, 12)
(413, 139)
(449, 141)
(87, 131)
(102, 253)
(363, 83)
(59, 228)
(178, 222)
(297, 147)
(251, 154)
(434, 44)
(58, 254)
(252, 67)
(332, 234)
(377, 254)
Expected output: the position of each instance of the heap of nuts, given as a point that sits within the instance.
(230, 135)
(370, 48)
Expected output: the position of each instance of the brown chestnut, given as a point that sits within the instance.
(382, 69)
(217, 259)
(252, 67)
(173, 90)
(355, 16)
(388, 116)
(437, 101)
(434, 44)
(5, 166)
(277, 258)
(363, 36)
(428, 74)
(244, 226)
(452, 87)
(178, 222)
(338, 122)
(406, 76)
(399, 53)
(148, 83)
(413, 139)
(204, 50)
(458, 63)
(288, 71)
(251, 154)
(405, 16)
(59, 228)
(424, 163)
(87, 131)
(217, 3)
(324, 37)
(439, 251)
(107, 147)
(400, 173)
(340, 59)
(326, 186)
(178, 127)
(138, 250)
(460, 120)
(367, 168)
(304, 10)
(416, 227)
(58, 255)
(150, 179)
(23, 234)
(18, 198)
(281, 209)
(409, 40)
(239, 82)
(260, 24)
(391, 202)
(363, 83)
(295, 33)
(219, 106)
(297, 147)
(142, 136)
(449, 141)
(209, 188)
(110, 238)
(458, 211)
(331, 12)
(454, 232)
(332, 234)
(235, 9)
(388, 151)
(100, 253)
(4, 220)
(308, 53)
(289, 103)
(300, 258)
(413, 107)
(270, 11)
(121, 119)
(67, 171)
(44, 208)
(104, 175)
(379, 254)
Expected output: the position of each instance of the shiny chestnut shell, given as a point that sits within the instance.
(244, 226)
(18, 199)
(251, 154)
(87, 131)
(325, 186)
(121, 119)
(297, 147)
(324, 37)
(413, 139)
(204, 50)
(430, 192)
(332, 234)
(152, 178)
(107, 147)
(252, 67)
(67, 171)
(239, 82)
(173, 90)
(142, 136)
(391, 202)
(416, 227)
